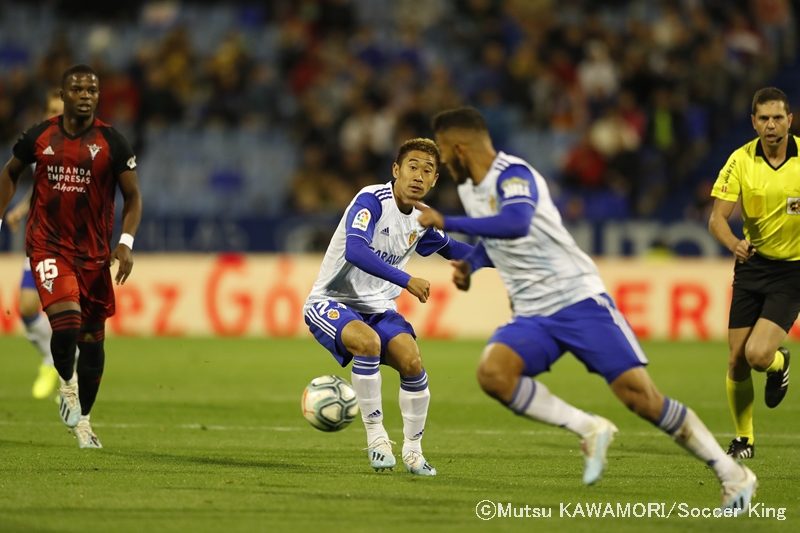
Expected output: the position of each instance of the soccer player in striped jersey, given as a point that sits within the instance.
(80, 163)
(559, 304)
(37, 327)
(351, 310)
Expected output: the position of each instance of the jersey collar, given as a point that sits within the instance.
(791, 151)
(77, 135)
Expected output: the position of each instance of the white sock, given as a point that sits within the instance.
(414, 398)
(533, 399)
(366, 378)
(38, 332)
(689, 431)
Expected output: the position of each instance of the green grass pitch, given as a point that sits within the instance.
(207, 435)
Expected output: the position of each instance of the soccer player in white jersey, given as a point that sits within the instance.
(37, 327)
(559, 304)
(351, 310)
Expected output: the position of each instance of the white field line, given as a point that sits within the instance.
(303, 427)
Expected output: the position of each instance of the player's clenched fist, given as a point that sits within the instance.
(421, 288)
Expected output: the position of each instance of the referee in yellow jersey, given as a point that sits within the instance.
(765, 175)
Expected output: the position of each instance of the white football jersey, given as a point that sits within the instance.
(545, 270)
(373, 215)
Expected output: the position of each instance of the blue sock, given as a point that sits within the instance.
(366, 366)
(523, 395)
(672, 415)
(414, 383)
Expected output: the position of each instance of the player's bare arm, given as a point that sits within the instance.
(720, 228)
(421, 288)
(429, 217)
(8, 182)
(131, 216)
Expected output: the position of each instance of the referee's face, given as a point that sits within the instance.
(772, 123)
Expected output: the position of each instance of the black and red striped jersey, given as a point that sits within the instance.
(74, 185)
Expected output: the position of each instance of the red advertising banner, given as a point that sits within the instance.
(263, 295)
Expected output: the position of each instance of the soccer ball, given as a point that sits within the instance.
(329, 403)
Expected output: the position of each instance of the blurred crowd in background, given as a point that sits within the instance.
(289, 107)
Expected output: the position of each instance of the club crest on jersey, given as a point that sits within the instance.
(515, 187)
(333, 314)
(361, 220)
(793, 206)
(93, 150)
(413, 237)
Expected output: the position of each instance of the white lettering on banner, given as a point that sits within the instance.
(262, 295)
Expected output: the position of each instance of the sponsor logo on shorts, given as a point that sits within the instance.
(48, 285)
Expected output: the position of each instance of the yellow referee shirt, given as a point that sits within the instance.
(770, 198)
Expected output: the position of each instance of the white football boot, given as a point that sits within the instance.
(69, 405)
(86, 437)
(380, 454)
(595, 445)
(738, 494)
(416, 464)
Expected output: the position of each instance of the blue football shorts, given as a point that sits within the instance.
(27, 276)
(326, 320)
(593, 330)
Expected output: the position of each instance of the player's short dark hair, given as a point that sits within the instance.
(770, 94)
(467, 118)
(421, 144)
(77, 69)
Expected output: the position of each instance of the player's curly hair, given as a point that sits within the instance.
(77, 69)
(421, 144)
(466, 118)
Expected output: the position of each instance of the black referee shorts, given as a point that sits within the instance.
(765, 288)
